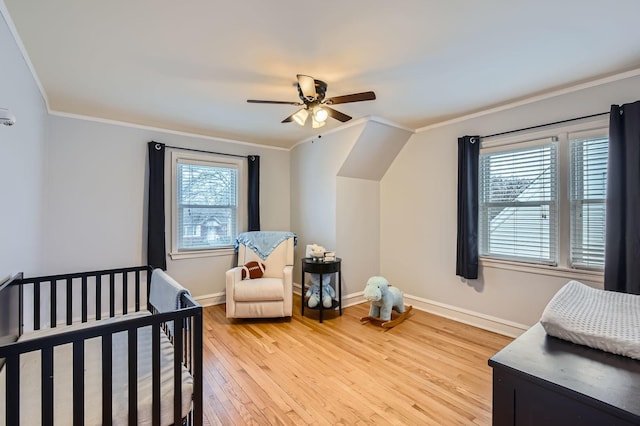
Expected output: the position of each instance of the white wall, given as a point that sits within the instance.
(336, 195)
(418, 212)
(96, 198)
(314, 168)
(22, 150)
(358, 230)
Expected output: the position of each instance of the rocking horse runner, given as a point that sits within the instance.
(384, 298)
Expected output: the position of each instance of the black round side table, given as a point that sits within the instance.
(321, 267)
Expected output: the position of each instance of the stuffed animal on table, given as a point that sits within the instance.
(315, 251)
(383, 298)
(328, 293)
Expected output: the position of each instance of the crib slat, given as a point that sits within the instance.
(54, 302)
(137, 291)
(78, 383)
(21, 310)
(98, 296)
(12, 396)
(196, 369)
(155, 355)
(69, 301)
(185, 342)
(125, 290)
(47, 386)
(36, 305)
(112, 295)
(107, 369)
(187, 345)
(133, 376)
(148, 290)
(177, 371)
(84, 298)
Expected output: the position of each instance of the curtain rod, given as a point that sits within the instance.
(545, 125)
(210, 152)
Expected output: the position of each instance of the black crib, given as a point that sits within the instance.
(89, 297)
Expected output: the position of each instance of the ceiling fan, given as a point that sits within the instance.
(312, 94)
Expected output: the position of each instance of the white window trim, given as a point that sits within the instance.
(563, 268)
(539, 269)
(211, 159)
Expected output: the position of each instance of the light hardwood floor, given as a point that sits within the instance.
(426, 371)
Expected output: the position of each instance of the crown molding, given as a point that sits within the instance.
(14, 32)
(530, 100)
(163, 130)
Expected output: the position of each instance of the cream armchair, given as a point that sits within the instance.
(272, 295)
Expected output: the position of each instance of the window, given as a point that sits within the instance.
(588, 182)
(542, 200)
(518, 202)
(205, 206)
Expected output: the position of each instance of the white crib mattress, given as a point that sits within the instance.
(605, 320)
(30, 379)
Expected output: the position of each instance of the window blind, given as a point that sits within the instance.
(588, 182)
(518, 218)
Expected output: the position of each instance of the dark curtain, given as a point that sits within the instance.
(254, 193)
(467, 246)
(622, 246)
(156, 248)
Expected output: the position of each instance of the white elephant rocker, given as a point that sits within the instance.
(384, 298)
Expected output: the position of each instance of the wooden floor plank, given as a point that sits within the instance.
(427, 370)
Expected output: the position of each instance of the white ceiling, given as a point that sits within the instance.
(191, 65)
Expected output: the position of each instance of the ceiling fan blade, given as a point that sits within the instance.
(307, 86)
(356, 97)
(336, 114)
(289, 119)
(254, 101)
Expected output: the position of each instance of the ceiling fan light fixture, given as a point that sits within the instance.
(315, 123)
(313, 102)
(300, 117)
(320, 114)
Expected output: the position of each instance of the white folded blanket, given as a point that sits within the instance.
(605, 320)
(165, 292)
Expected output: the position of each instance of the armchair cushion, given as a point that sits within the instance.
(258, 289)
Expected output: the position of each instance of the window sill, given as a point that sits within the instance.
(572, 274)
(201, 253)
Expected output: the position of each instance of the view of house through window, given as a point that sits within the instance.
(518, 203)
(206, 205)
(529, 190)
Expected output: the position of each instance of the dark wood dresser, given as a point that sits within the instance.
(542, 380)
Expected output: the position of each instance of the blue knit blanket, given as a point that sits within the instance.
(264, 242)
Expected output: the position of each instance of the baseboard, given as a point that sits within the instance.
(347, 299)
(211, 299)
(465, 316)
(353, 299)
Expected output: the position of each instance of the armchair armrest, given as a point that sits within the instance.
(233, 276)
(288, 289)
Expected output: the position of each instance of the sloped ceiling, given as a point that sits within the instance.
(374, 151)
(190, 66)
